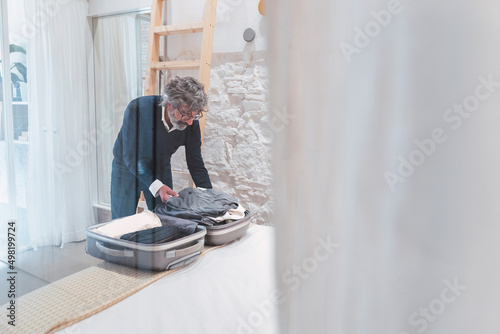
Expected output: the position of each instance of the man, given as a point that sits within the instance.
(153, 129)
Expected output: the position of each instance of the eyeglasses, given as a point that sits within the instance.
(188, 115)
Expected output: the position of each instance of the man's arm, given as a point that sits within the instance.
(194, 160)
(157, 188)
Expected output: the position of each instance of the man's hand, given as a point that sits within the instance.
(165, 193)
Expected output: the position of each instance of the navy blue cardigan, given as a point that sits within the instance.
(142, 153)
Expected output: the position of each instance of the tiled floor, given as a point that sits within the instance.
(46, 265)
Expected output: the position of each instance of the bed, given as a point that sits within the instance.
(229, 289)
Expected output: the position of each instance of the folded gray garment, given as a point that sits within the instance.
(157, 235)
(184, 224)
(172, 228)
(208, 202)
(162, 210)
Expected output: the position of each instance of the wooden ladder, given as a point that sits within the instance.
(203, 64)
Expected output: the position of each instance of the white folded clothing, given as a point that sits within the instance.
(233, 214)
(137, 222)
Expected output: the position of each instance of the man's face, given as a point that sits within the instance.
(177, 119)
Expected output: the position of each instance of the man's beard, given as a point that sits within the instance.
(176, 123)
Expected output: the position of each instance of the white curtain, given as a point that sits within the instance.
(116, 81)
(59, 194)
(387, 165)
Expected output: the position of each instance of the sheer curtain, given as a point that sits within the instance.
(59, 194)
(116, 82)
(387, 166)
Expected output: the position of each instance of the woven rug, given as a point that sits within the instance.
(77, 297)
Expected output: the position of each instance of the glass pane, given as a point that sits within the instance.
(120, 49)
(17, 53)
(143, 36)
(4, 186)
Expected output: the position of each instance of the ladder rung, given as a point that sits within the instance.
(185, 28)
(175, 65)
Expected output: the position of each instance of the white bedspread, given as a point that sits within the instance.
(229, 290)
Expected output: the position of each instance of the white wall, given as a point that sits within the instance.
(106, 7)
(233, 17)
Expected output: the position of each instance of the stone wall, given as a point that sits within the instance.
(237, 144)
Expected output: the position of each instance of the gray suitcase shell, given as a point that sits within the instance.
(222, 234)
(158, 257)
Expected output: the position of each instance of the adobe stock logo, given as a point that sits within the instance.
(46, 10)
(225, 7)
(454, 117)
(363, 37)
(420, 319)
(279, 119)
(293, 278)
(75, 156)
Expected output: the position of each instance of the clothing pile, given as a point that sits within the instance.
(208, 207)
(177, 218)
(148, 228)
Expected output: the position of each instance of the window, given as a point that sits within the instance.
(13, 119)
(120, 50)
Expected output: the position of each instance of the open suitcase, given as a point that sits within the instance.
(158, 257)
(222, 234)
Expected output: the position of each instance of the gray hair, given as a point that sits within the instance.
(185, 91)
